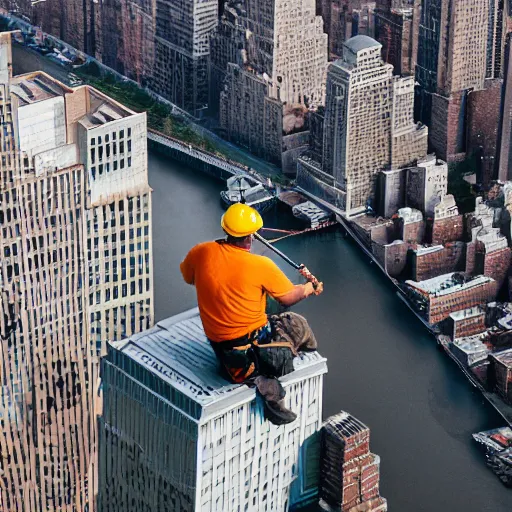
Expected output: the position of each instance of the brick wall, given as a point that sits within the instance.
(446, 134)
(412, 232)
(482, 126)
(470, 258)
(449, 259)
(501, 375)
(445, 230)
(467, 326)
(349, 473)
(440, 307)
(398, 33)
(494, 264)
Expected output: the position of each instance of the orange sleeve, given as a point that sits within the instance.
(187, 267)
(273, 279)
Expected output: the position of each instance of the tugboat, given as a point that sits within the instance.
(253, 192)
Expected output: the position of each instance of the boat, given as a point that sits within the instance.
(312, 214)
(251, 191)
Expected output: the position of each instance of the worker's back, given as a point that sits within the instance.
(231, 284)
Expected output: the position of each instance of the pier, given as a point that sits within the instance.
(197, 158)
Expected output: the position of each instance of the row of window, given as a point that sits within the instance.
(111, 136)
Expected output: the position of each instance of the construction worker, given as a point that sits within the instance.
(232, 285)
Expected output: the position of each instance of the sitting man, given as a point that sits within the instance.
(232, 285)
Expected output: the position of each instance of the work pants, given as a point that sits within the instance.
(266, 354)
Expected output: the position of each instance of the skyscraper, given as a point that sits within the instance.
(161, 44)
(505, 129)
(396, 28)
(182, 47)
(453, 56)
(278, 73)
(76, 269)
(368, 123)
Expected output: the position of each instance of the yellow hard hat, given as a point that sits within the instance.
(241, 220)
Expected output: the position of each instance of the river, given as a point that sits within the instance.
(383, 366)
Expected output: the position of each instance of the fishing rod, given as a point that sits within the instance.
(300, 267)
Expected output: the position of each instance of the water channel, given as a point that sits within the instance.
(383, 366)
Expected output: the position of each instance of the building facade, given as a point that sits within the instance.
(64, 254)
(461, 43)
(176, 436)
(277, 48)
(396, 28)
(368, 122)
(161, 44)
(182, 48)
(504, 155)
(436, 298)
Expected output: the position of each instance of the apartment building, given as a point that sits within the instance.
(71, 233)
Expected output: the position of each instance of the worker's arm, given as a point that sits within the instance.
(299, 292)
(281, 288)
(187, 268)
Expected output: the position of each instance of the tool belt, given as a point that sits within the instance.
(255, 354)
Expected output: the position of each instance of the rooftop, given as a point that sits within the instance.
(102, 110)
(467, 313)
(361, 42)
(35, 87)
(471, 344)
(447, 283)
(176, 350)
(421, 250)
(504, 357)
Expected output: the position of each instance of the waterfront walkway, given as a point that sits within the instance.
(216, 165)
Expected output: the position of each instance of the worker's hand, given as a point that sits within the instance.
(319, 288)
(309, 289)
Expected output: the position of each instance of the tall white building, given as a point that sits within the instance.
(358, 117)
(368, 124)
(176, 436)
(76, 269)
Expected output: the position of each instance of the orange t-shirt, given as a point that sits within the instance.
(231, 284)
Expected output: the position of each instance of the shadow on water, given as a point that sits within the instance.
(384, 367)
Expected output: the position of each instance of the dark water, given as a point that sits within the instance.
(383, 366)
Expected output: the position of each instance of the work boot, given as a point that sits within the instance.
(277, 413)
(269, 388)
(273, 393)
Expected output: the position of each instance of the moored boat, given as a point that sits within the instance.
(246, 188)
